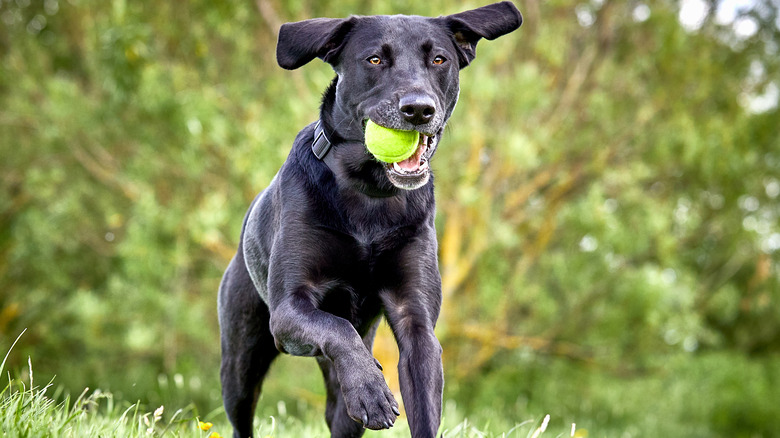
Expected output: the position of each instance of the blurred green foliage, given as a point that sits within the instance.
(607, 191)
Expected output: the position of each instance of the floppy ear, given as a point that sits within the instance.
(489, 22)
(302, 41)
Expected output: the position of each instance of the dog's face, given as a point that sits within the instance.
(400, 72)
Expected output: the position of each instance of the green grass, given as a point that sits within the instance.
(30, 411)
(41, 412)
(35, 412)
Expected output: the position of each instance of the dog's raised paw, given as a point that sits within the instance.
(368, 399)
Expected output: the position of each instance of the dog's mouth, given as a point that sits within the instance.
(414, 172)
(418, 162)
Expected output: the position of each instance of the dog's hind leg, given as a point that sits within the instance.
(247, 346)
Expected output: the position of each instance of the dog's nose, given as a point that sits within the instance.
(417, 109)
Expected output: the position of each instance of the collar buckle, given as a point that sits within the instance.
(322, 144)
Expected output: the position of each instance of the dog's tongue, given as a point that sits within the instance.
(412, 163)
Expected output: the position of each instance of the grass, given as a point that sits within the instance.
(30, 411)
(35, 412)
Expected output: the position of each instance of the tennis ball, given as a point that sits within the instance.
(390, 145)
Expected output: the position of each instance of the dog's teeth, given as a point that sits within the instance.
(399, 169)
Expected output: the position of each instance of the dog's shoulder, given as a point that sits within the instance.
(304, 183)
(302, 169)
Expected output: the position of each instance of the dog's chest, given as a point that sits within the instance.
(367, 257)
(354, 272)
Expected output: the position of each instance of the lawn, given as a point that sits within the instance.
(30, 411)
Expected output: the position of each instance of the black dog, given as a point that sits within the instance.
(340, 239)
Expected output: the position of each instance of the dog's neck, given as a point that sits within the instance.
(367, 177)
(335, 121)
(322, 146)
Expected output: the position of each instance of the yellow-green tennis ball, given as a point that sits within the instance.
(390, 145)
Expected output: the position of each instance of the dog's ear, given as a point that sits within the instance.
(489, 22)
(302, 41)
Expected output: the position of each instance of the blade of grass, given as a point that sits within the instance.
(2, 365)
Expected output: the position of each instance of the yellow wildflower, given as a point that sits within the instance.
(204, 426)
(215, 435)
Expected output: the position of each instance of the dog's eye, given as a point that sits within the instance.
(439, 60)
(374, 60)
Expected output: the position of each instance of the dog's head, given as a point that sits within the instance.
(401, 72)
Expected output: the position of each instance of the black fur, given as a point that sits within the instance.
(327, 250)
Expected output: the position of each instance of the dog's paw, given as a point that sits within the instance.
(368, 399)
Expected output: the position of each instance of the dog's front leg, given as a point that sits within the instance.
(412, 310)
(419, 370)
(301, 329)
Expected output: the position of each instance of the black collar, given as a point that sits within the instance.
(322, 146)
